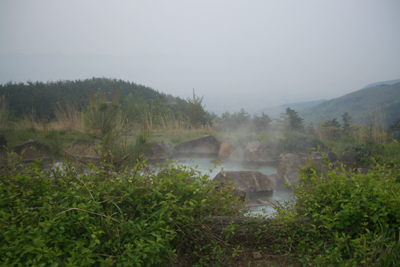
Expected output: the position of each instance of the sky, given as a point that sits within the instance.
(250, 54)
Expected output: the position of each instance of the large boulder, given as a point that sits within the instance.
(208, 145)
(225, 150)
(255, 152)
(157, 151)
(33, 150)
(289, 167)
(255, 184)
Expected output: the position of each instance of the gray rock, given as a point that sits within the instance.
(157, 151)
(33, 150)
(289, 167)
(208, 145)
(225, 150)
(254, 183)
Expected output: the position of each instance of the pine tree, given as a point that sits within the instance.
(195, 110)
(347, 120)
(292, 121)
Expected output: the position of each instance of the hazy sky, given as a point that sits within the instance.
(257, 52)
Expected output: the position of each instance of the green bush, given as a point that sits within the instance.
(300, 143)
(69, 217)
(351, 219)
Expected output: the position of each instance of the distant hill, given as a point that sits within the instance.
(275, 112)
(359, 104)
(380, 83)
(44, 97)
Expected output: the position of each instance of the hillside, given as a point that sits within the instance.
(44, 97)
(359, 104)
(275, 112)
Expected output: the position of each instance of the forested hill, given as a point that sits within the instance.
(385, 97)
(42, 98)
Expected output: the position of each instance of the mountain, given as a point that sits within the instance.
(383, 97)
(275, 112)
(380, 83)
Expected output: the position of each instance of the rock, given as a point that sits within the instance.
(237, 154)
(84, 148)
(289, 167)
(33, 150)
(254, 183)
(208, 145)
(157, 151)
(273, 178)
(225, 150)
(255, 152)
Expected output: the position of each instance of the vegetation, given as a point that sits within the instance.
(45, 98)
(69, 217)
(351, 219)
(196, 113)
(112, 215)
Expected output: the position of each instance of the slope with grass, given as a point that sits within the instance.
(358, 104)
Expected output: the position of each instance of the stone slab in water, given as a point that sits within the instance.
(254, 183)
(208, 145)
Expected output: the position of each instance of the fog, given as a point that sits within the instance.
(250, 54)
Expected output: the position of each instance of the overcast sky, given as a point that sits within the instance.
(257, 52)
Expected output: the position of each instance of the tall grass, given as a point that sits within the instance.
(4, 112)
(374, 131)
(68, 117)
(169, 123)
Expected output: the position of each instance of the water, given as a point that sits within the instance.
(206, 167)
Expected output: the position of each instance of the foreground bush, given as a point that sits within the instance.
(98, 217)
(351, 219)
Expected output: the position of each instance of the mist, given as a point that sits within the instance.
(237, 54)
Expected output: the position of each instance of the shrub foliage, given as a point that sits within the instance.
(70, 217)
(351, 219)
